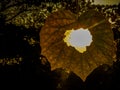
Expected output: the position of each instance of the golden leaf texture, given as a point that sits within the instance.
(101, 51)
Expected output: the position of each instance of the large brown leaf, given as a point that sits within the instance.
(101, 51)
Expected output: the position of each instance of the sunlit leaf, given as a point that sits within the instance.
(101, 51)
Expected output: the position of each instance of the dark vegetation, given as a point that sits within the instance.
(22, 65)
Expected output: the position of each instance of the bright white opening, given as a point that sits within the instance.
(79, 39)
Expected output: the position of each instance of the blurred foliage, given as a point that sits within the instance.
(18, 44)
(32, 13)
(27, 13)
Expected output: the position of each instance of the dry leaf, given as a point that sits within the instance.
(101, 51)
